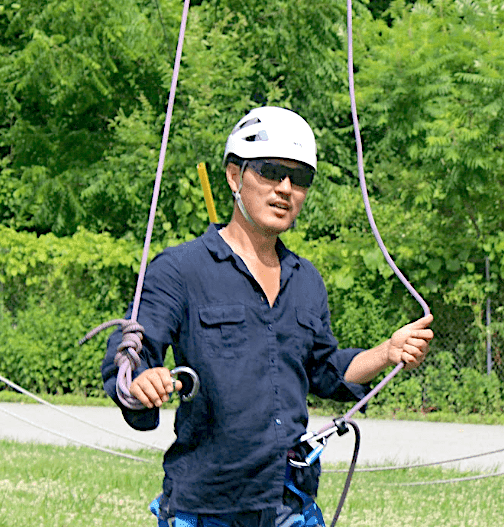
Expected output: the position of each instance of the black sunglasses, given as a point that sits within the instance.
(275, 171)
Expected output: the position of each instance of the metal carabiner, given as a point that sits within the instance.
(194, 378)
(312, 456)
(320, 438)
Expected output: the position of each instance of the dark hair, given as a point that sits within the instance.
(232, 158)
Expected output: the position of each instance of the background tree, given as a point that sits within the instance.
(83, 92)
(431, 96)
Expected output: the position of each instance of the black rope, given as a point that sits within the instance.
(351, 470)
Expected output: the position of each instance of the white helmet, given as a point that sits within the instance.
(273, 132)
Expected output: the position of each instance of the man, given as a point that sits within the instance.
(251, 318)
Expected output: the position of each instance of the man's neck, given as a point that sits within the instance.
(247, 240)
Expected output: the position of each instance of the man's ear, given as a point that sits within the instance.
(233, 176)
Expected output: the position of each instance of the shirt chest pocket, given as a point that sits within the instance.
(223, 330)
(309, 325)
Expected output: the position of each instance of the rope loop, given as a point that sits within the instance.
(131, 345)
(127, 358)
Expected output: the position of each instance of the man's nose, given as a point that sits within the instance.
(284, 185)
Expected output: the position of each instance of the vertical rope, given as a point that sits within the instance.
(362, 179)
(369, 212)
(162, 155)
(124, 376)
(360, 166)
(127, 357)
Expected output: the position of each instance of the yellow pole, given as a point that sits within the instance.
(207, 192)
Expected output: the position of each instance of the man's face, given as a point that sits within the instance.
(273, 205)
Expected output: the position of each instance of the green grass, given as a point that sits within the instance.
(8, 396)
(377, 500)
(48, 486)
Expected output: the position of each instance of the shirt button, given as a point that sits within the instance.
(270, 327)
(262, 299)
(278, 421)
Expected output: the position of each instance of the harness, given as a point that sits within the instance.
(310, 515)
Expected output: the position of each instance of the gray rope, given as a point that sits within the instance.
(78, 441)
(64, 412)
(445, 481)
(419, 465)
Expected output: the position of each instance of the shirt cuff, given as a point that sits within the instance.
(348, 391)
(144, 419)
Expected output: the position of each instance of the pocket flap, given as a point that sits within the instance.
(308, 319)
(222, 314)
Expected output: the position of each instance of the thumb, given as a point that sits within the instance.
(422, 323)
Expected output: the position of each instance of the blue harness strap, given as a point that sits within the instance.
(154, 508)
(311, 514)
(184, 519)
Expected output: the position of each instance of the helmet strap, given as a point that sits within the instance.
(237, 196)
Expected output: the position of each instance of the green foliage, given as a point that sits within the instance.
(83, 89)
(431, 88)
(440, 383)
(52, 292)
(440, 387)
(90, 266)
(40, 346)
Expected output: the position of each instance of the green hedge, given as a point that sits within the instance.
(54, 290)
(443, 388)
(40, 350)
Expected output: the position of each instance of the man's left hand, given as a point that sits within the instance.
(410, 343)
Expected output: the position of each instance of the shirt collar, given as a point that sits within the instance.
(221, 250)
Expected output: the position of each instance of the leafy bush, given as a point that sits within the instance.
(52, 292)
(40, 350)
(441, 388)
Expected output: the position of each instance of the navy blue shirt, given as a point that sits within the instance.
(256, 364)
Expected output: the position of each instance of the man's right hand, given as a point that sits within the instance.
(154, 386)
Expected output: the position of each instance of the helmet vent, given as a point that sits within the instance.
(250, 122)
(261, 136)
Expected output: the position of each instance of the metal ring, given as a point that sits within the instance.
(194, 378)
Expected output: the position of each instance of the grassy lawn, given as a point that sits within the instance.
(48, 486)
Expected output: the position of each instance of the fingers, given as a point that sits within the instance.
(421, 345)
(419, 333)
(423, 334)
(414, 352)
(154, 386)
